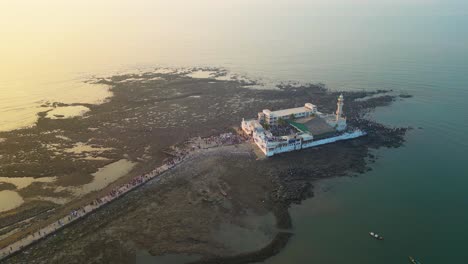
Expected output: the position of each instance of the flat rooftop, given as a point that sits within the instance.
(315, 125)
(287, 112)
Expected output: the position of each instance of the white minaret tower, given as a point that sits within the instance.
(339, 109)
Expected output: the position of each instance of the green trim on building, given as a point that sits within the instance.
(299, 126)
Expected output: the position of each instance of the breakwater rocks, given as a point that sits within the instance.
(277, 244)
(293, 185)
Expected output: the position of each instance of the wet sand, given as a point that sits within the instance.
(143, 119)
(120, 167)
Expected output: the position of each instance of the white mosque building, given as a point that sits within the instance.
(306, 124)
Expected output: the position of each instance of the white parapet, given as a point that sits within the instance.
(345, 136)
(271, 145)
(297, 145)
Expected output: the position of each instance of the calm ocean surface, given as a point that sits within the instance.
(415, 196)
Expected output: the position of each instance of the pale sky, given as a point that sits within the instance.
(59, 32)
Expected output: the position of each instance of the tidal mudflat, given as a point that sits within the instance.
(184, 213)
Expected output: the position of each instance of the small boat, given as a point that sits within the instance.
(375, 235)
(413, 260)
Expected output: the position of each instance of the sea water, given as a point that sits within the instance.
(415, 196)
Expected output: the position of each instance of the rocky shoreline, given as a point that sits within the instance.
(160, 110)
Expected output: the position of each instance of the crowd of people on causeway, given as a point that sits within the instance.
(179, 155)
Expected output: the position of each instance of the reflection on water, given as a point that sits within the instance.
(201, 74)
(67, 112)
(81, 147)
(106, 175)
(9, 200)
(101, 179)
(55, 200)
(23, 182)
(20, 103)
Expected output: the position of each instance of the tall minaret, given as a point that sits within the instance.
(339, 109)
